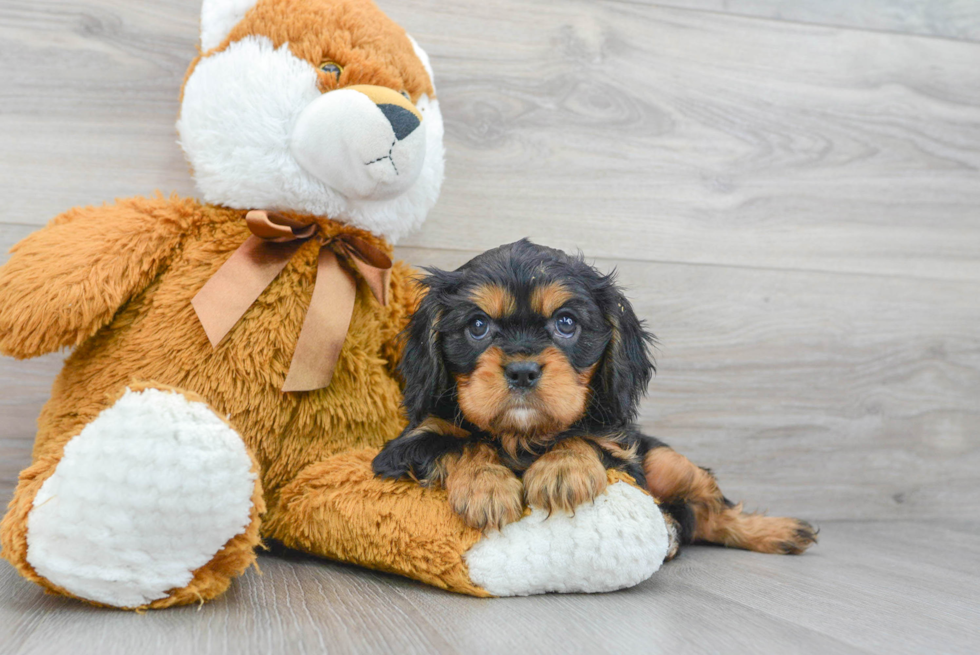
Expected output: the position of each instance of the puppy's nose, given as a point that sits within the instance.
(522, 375)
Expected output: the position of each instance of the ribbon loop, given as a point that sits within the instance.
(275, 238)
(276, 227)
(372, 263)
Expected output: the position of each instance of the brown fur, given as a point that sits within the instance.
(496, 301)
(614, 448)
(673, 477)
(482, 491)
(566, 476)
(371, 48)
(548, 298)
(337, 508)
(483, 391)
(436, 424)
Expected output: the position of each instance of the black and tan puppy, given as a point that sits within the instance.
(523, 370)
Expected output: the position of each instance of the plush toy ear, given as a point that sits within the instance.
(218, 17)
(626, 367)
(422, 367)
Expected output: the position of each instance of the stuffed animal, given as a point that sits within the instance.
(233, 372)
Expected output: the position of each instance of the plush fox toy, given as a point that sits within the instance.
(234, 357)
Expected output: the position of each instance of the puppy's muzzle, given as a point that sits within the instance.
(365, 141)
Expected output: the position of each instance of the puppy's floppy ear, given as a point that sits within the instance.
(422, 366)
(627, 366)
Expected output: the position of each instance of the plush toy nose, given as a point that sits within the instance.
(403, 122)
(402, 115)
(363, 141)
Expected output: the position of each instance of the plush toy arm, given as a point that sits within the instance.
(68, 279)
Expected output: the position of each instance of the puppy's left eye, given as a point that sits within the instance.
(406, 95)
(565, 325)
(479, 327)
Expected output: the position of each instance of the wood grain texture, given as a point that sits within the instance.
(950, 19)
(684, 136)
(677, 136)
(903, 587)
(793, 208)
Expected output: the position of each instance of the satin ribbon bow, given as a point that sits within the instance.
(275, 239)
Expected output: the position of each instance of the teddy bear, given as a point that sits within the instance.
(234, 357)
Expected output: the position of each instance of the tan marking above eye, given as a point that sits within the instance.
(549, 298)
(493, 299)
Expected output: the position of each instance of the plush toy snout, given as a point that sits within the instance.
(363, 141)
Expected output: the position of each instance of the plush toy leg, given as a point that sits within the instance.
(155, 502)
(339, 509)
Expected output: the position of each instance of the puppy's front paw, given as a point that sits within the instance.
(565, 477)
(486, 497)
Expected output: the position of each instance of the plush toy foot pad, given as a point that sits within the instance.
(616, 542)
(146, 494)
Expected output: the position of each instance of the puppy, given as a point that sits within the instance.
(523, 370)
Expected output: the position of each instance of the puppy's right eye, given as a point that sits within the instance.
(479, 327)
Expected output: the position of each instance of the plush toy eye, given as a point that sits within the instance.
(565, 325)
(479, 327)
(406, 95)
(331, 68)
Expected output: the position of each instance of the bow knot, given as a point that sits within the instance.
(275, 238)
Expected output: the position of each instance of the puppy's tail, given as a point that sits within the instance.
(690, 496)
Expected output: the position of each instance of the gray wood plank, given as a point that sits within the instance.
(639, 131)
(950, 19)
(90, 100)
(877, 587)
(670, 135)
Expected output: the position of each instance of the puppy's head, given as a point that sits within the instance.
(525, 340)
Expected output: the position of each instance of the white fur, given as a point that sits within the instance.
(617, 542)
(240, 108)
(146, 494)
(218, 17)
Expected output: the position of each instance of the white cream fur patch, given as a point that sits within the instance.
(218, 18)
(614, 543)
(146, 494)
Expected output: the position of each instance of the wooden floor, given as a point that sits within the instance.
(791, 191)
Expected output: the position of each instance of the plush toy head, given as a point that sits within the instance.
(325, 107)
